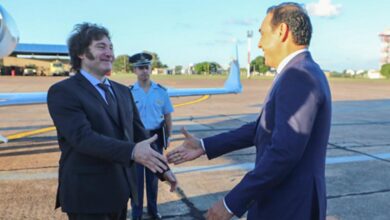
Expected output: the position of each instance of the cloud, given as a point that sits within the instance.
(323, 8)
(241, 22)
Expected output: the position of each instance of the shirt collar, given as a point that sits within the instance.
(92, 79)
(153, 85)
(288, 59)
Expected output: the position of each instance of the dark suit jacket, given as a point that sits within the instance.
(96, 173)
(290, 136)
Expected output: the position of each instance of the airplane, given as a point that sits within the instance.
(232, 85)
(9, 37)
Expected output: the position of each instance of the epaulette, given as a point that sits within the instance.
(162, 87)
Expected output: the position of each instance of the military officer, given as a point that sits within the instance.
(155, 109)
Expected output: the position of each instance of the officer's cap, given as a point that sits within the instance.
(140, 59)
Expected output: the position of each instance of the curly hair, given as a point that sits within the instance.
(80, 39)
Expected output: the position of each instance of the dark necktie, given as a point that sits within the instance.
(112, 105)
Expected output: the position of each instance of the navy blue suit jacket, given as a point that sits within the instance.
(290, 136)
(96, 173)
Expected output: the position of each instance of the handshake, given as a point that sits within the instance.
(189, 150)
(144, 154)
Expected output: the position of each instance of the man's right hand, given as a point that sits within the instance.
(190, 149)
(145, 155)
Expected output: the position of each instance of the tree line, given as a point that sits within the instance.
(121, 64)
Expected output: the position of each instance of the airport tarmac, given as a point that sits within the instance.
(358, 157)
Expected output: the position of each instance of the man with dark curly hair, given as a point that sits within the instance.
(100, 133)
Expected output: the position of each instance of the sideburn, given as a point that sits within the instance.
(88, 54)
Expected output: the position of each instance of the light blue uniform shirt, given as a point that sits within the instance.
(95, 82)
(153, 105)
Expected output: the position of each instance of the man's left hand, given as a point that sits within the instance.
(218, 212)
(190, 149)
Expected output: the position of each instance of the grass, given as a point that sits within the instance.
(343, 79)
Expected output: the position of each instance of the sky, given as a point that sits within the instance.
(183, 32)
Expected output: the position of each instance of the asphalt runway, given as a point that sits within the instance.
(358, 156)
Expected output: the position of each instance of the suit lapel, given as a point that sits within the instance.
(275, 84)
(92, 90)
(298, 58)
(295, 60)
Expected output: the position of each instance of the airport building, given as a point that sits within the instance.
(36, 59)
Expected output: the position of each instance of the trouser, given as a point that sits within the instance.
(121, 215)
(151, 190)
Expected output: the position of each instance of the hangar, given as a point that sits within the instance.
(36, 59)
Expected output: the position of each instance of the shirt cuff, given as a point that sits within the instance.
(226, 207)
(132, 155)
(202, 144)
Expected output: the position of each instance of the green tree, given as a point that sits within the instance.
(156, 63)
(385, 70)
(258, 65)
(206, 68)
(121, 64)
(214, 67)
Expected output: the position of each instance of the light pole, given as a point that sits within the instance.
(385, 55)
(249, 34)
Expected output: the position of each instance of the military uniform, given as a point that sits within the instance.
(152, 106)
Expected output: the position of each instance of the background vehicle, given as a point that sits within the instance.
(57, 68)
(30, 70)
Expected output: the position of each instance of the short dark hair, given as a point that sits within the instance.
(296, 18)
(81, 37)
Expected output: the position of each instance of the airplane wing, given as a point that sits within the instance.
(232, 85)
(22, 98)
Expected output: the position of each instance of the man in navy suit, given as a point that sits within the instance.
(290, 134)
(100, 133)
